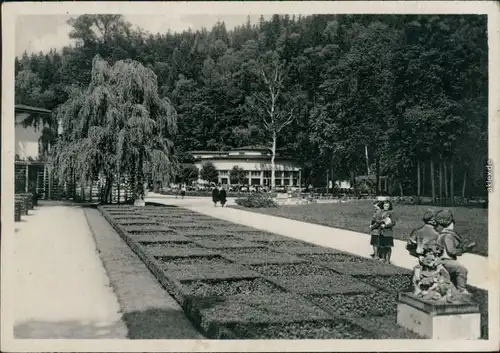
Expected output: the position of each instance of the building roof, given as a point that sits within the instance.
(255, 148)
(251, 148)
(260, 148)
(247, 157)
(21, 108)
(207, 152)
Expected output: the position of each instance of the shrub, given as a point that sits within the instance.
(256, 200)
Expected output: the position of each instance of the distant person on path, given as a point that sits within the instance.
(386, 239)
(375, 228)
(183, 191)
(215, 195)
(424, 235)
(222, 196)
(454, 246)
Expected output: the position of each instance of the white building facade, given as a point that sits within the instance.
(27, 137)
(255, 161)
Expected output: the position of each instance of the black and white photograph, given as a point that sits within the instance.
(251, 176)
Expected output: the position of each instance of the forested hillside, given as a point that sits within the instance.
(411, 91)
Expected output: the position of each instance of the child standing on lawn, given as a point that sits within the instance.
(375, 228)
(386, 239)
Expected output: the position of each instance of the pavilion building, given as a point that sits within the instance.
(255, 161)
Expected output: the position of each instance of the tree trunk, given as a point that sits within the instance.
(327, 180)
(74, 185)
(26, 178)
(377, 177)
(109, 190)
(463, 183)
(332, 177)
(433, 184)
(139, 199)
(273, 166)
(367, 161)
(445, 166)
(45, 182)
(118, 189)
(440, 181)
(300, 184)
(418, 178)
(82, 187)
(423, 179)
(400, 189)
(452, 181)
(104, 191)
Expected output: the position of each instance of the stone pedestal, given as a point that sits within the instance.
(439, 320)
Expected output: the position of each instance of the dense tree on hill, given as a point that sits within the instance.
(412, 91)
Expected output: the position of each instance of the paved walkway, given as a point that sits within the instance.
(353, 242)
(61, 288)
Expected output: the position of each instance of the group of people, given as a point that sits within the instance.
(219, 194)
(381, 230)
(438, 229)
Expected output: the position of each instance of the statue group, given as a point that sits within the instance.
(438, 276)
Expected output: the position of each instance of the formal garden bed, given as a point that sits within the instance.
(472, 223)
(236, 282)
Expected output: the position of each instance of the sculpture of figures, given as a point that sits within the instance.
(425, 234)
(453, 247)
(431, 280)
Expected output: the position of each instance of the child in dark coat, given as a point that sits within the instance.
(222, 196)
(375, 228)
(386, 239)
(215, 195)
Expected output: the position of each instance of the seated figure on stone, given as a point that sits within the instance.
(431, 280)
(420, 237)
(453, 246)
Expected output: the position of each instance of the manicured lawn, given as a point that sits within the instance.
(248, 284)
(471, 223)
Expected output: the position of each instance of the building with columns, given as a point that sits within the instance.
(255, 161)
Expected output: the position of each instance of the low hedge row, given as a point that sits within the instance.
(235, 282)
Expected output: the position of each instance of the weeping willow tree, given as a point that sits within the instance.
(117, 126)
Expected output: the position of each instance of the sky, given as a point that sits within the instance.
(35, 33)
